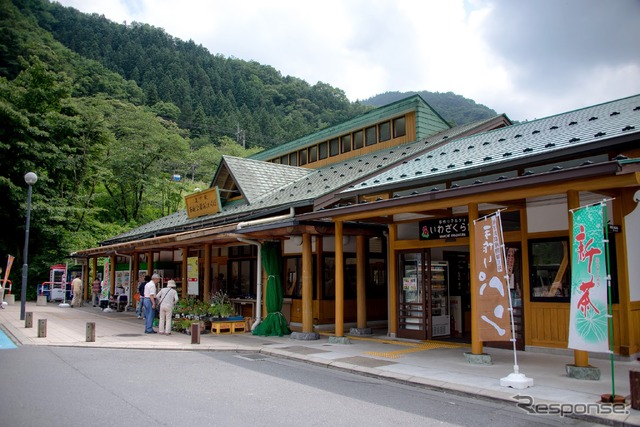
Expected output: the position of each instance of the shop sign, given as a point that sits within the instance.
(444, 228)
(205, 202)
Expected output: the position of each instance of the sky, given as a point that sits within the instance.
(526, 58)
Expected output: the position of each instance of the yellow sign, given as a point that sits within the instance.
(205, 202)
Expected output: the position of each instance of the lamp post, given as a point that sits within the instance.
(30, 178)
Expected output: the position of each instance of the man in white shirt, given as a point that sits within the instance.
(149, 302)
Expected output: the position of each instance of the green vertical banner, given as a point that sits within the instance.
(588, 324)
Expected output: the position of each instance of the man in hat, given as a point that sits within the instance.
(149, 302)
(167, 298)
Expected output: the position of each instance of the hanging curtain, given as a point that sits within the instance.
(274, 323)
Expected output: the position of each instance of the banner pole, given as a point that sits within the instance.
(610, 308)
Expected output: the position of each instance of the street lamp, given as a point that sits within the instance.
(30, 178)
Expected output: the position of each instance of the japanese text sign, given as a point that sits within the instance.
(444, 228)
(205, 202)
(492, 300)
(588, 323)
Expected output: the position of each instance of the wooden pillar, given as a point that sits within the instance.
(476, 344)
(150, 263)
(361, 288)
(580, 357)
(85, 279)
(339, 280)
(393, 281)
(207, 272)
(622, 206)
(183, 273)
(307, 285)
(319, 279)
(135, 274)
(94, 268)
(112, 274)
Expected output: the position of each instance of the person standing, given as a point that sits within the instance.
(167, 298)
(76, 285)
(96, 289)
(150, 304)
(141, 285)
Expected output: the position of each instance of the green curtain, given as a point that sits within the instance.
(274, 323)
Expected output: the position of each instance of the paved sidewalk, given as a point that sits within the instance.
(437, 365)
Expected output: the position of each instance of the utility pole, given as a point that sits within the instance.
(240, 136)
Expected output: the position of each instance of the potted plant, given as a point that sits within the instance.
(221, 306)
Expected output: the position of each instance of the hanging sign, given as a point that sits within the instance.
(205, 202)
(492, 300)
(588, 323)
(192, 276)
(444, 228)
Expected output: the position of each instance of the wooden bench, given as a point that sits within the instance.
(228, 326)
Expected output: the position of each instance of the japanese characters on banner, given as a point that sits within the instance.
(588, 323)
(492, 300)
(6, 274)
(193, 284)
(104, 294)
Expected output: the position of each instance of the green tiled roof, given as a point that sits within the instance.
(428, 122)
(575, 131)
(304, 191)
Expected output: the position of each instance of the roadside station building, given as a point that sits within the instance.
(374, 216)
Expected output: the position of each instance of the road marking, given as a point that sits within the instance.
(5, 341)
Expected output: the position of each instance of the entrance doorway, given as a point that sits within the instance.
(423, 296)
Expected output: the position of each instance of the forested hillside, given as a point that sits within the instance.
(216, 96)
(107, 114)
(456, 109)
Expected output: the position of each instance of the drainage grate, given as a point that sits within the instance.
(129, 335)
(253, 357)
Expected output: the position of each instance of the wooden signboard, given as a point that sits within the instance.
(205, 202)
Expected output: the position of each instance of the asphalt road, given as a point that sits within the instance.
(66, 386)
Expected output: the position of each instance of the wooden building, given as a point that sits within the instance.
(370, 230)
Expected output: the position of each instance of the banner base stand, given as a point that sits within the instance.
(64, 305)
(517, 381)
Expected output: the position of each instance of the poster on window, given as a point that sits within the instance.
(491, 285)
(588, 322)
(192, 276)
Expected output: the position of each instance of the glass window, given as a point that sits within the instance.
(399, 127)
(346, 143)
(358, 140)
(293, 277)
(334, 147)
(293, 159)
(284, 159)
(313, 154)
(302, 155)
(329, 278)
(277, 161)
(549, 269)
(242, 280)
(384, 131)
(371, 136)
(323, 150)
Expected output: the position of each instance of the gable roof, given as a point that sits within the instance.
(294, 186)
(252, 178)
(563, 135)
(428, 122)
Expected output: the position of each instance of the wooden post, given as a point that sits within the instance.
(361, 289)
(634, 380)
(207, 272)
(392, 283)
(195, 333)
(476, 344)
(91, 332)
(112, 274)
(307, 282)
(339, 280)
(185, 265)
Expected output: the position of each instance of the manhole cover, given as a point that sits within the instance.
(253, 357)
(129, 335)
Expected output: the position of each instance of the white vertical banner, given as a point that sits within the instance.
(588, 322)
